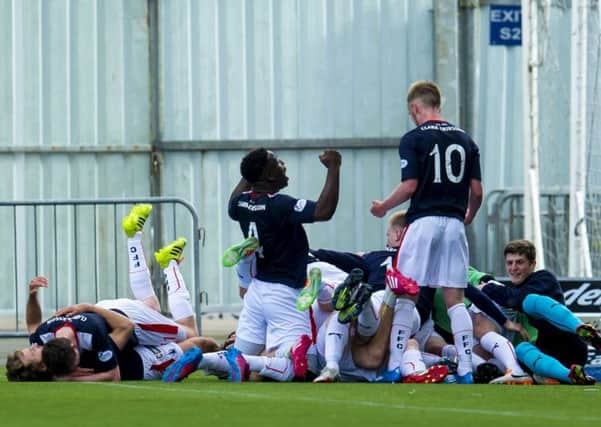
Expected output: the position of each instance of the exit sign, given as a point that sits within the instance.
(505, 25)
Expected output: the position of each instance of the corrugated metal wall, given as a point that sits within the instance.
(497, 114)
(498, 108)
(75, 119)
(74, 123)
(288, 70)
(74, 98)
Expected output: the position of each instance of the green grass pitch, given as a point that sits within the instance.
(204, 401)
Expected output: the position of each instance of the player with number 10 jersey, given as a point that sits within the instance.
(440, 168)
(444, 159)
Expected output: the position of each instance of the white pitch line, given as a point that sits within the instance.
(372, 404)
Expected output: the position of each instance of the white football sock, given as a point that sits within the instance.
(367, 321)
(477, 360)
(498, 364)
(178, 296)
(412, 362)
(402, 323)
(276, 368)
(139, 275)
(325, 293)
(463, 335)
(502, 350)
(214, 363)
(336, 342)
(246, 270)
(450, 352)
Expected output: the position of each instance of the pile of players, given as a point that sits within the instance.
(394, 315)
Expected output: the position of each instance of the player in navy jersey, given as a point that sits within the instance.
(269, 319)
(87, 336)
(150, 327)
(441, 176)
(560, 349)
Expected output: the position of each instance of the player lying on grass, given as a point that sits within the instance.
(87, 333)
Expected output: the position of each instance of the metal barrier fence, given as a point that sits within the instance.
(505, 222)
(80, 246)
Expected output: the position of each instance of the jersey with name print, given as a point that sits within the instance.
(96, 347)
(276, 221)
(444, 159)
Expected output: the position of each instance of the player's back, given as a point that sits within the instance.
(276, 221)
(444, 159)
(86, 325)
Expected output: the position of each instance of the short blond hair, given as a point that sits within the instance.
(426, 91)
(397, 219)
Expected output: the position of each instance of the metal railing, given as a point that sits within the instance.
(75, 242)
(505, 222)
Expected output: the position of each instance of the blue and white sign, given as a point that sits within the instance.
(505, 25)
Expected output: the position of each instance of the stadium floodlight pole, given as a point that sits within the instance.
(530, 64)
(579, 257)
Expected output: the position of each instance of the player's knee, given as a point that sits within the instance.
(482, 325)
(247, 347)
(208, 344)
(534, 304)
(522, 349)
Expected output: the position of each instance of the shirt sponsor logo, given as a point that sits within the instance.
(105, 356)
(300, 205)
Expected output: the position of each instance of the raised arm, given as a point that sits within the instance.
(240, 188)
(33, 311)
(328, 199)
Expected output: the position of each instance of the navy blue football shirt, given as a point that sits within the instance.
(96, 347)
(444, 159)
(276, 221)
(373, 264)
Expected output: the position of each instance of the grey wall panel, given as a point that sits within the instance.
(73, 258)
(290, 69)
(498, 105)
(74, 73)
(498, 108)
(207, 179)
(87, 175)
